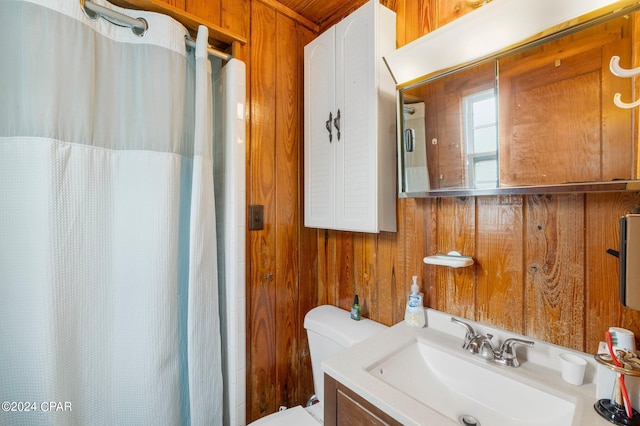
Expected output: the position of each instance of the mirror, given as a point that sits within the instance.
(537, 118)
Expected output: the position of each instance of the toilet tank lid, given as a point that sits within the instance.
(336, 324)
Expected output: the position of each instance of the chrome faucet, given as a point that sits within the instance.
(482, 345)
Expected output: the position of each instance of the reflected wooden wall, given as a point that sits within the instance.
(541, 270)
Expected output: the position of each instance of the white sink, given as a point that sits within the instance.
(423, 377)
(467, 389)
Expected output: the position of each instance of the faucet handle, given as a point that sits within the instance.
(509, 344)
(507, 353)
(470, 332)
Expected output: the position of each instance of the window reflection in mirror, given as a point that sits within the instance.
(460, 131)
(481, 139)
(543, 115)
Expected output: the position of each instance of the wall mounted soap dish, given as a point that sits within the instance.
(453, 259)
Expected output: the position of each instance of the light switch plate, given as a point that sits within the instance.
(256, 217)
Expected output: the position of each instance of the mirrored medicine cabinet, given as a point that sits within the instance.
(536, 118)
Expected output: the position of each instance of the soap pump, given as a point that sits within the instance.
(414, 314)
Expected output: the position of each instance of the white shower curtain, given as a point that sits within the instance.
(108, 280)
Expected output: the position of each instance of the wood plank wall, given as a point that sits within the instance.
(279, 292)
(542, 268)
(541, 263)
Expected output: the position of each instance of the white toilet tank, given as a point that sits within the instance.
(331, 330)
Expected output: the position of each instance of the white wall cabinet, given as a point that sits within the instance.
(350, 119)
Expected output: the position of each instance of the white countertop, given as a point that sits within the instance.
(540, 368)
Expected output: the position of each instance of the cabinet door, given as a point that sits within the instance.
(319, 143)
(350, 411)
(356, 99)
(342, 406)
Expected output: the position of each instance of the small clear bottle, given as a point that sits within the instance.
(355, 309)
(414, 313)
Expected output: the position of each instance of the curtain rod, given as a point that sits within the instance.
(139, 26)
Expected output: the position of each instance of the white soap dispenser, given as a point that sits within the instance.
(414, 314)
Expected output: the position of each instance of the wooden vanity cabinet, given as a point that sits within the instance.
(342, 406)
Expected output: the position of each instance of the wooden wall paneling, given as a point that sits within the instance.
(344, 263)
(554, 250)
(413, 239)
(334, 15)
(261, 332)
(330, 247)
(429, 214)
(308, 250)
(287, 146)
(287, 11)
(402, 247)
(413, 20)
(323, 262)
(601, 281)
(207, 9)
(180, 4)
(234, 15)
(307, 300)
(455, 230)
(400, 8)
(499, 257)
(365, 270)
(450, 10)
(602, 232)
(386, 279)
(560, 248)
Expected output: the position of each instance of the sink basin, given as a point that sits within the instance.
(470, 391)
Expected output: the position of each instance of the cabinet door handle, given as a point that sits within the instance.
(336, 123)
(327, 124)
